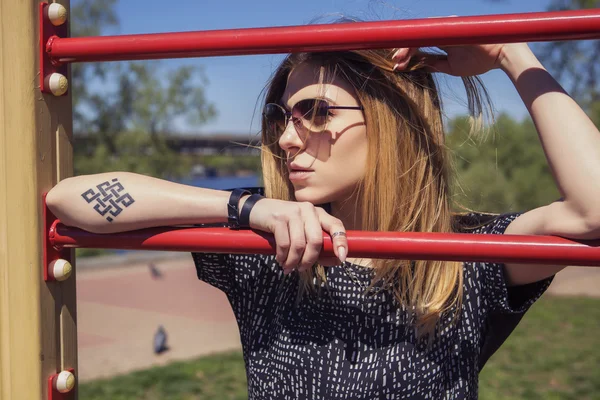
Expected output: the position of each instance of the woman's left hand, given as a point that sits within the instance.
(460, 60)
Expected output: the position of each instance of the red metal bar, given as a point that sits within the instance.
(528, 27)
(411, 246)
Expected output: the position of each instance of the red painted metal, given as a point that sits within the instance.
(528, 27)
(411, 246)
(48, 33)
(51, 253)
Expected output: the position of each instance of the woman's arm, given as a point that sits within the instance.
(140, 201)
(571, 143)
(569, 138)
(137, 200)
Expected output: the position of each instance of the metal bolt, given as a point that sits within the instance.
(58, 84)
(64, 382)
(57, 14)
(60, 269)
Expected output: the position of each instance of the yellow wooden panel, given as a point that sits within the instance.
(30, 309)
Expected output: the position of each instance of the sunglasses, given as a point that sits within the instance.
(308, 115)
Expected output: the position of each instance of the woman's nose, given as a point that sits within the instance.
(289, 139)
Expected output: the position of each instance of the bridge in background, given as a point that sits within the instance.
(215, 144)
(224, 144)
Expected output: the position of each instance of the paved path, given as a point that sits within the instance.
(120, 306)
(119, 310)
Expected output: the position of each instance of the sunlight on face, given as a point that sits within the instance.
(329, 164)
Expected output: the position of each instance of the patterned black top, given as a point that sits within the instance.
(343, 344)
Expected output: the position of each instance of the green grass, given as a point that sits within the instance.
(553, 354)
(220, 376)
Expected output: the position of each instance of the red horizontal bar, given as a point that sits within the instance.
(408, 246)
(506, 28)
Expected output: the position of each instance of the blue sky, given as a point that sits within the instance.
(235, 82)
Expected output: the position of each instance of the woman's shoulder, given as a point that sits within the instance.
(482, 222)
(227, 271)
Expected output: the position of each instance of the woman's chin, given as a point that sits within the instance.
(309, 194)
(313, 195)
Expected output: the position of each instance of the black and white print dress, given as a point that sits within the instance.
(345, 344)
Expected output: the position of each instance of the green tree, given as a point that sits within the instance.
(507, 171)
(128, 108)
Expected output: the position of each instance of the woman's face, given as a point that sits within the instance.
(328, 165)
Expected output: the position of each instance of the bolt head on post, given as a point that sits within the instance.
(57, 14)
(60, 269)
(64, 382)
(58, 84)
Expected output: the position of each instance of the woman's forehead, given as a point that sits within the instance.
(304, 82)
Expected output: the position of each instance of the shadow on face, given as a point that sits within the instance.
(336, 154)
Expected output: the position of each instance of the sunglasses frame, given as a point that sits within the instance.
(289, 115)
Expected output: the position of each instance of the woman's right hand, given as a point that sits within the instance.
(298, 229)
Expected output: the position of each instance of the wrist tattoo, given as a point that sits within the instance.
(110, 198)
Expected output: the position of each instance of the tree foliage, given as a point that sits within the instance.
(128, 108)
(507, 171)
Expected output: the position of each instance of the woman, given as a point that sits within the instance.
(360, 133)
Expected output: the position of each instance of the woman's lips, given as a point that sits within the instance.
(299, 174)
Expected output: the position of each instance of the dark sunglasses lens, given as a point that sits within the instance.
(312, 112)
(274, 116)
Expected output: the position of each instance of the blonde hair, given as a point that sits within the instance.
(407, 182)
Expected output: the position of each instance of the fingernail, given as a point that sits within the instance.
(395, 67)
(342, 253)
(396, 53)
